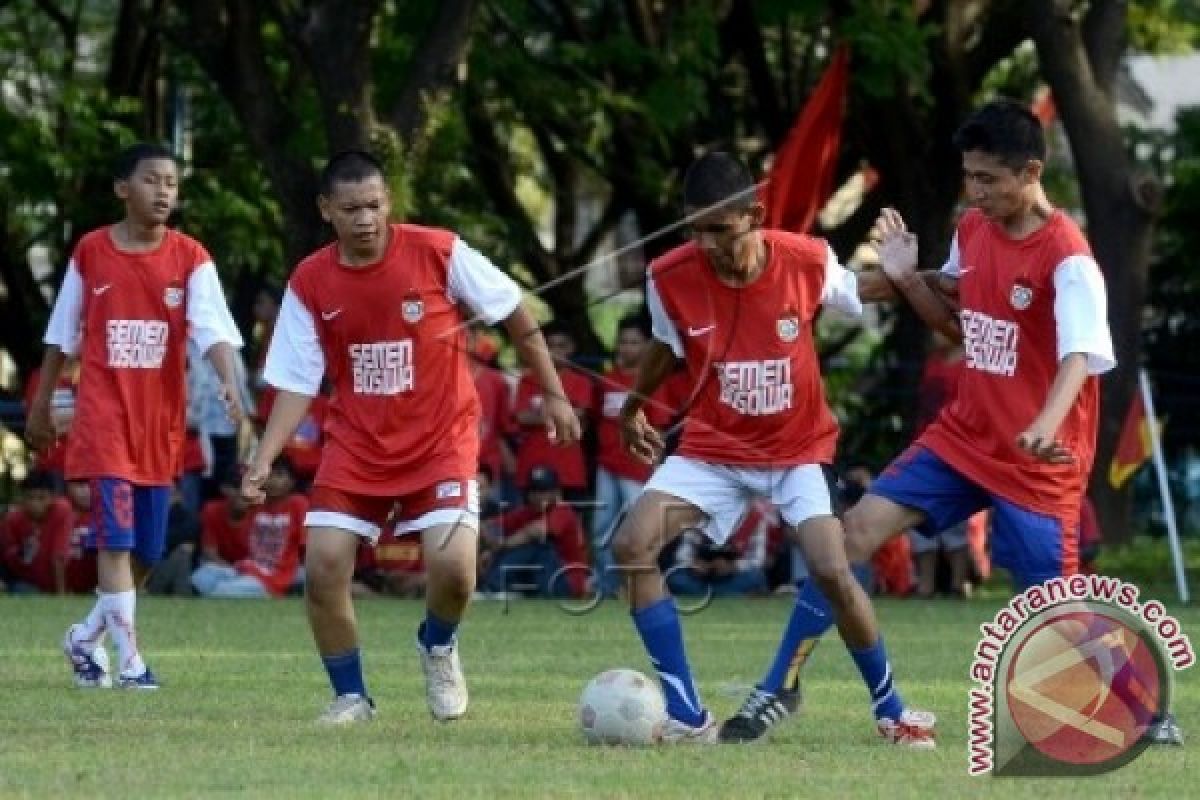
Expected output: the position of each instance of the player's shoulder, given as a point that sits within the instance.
(312, 264)
(191, 251)
(1066, 237)
(673, 262)
(969, 223)
(440, 240)
(798, 246)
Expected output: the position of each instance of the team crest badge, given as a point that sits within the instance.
(788, 328)
(1021, 297)
(173, 296)
(412, 310)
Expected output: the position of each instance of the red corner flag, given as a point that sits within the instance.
(1134, 446)
(801, 177)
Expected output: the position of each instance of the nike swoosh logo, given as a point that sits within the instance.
(700, 331)
(964, 271)
(328, 315)
(99, 290)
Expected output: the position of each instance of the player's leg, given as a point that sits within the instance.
(446, 514)
(449, 552)
(682, 493)
(336, 522)
(111, 534)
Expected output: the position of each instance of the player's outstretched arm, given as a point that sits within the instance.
(1040, 438)
(641, 438)
(562, 423)
(897, 249)
(223, 357)
(39, 427)
(287, 413)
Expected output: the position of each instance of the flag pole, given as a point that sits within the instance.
(1164, 489)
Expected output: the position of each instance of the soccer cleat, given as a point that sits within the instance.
(1165, 731)
(914, 729)
(761, 711)
(676, 732)
(145, 681)
(91, 669)
(347, 709)
(445, 686)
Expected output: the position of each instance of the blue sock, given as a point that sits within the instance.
(435, 632)
(658, 625)
(877, 674)
(345, 673)
(811, 617)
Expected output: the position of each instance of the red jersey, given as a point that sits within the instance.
(749, 353)
(564, 530)
(1010, 338)
(31, 548)
(275, 540)
(536, 447)
(391, 339)
(495, 401)
(229, 539)
(611, 390)
(129, 315)
(939, 384)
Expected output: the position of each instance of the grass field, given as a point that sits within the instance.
(242, 687)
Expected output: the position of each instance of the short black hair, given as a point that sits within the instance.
(38, 479)
(635, 321)
(718, 179)
(1005, 129)
(349, 166)
(128, 159)
(556, 327)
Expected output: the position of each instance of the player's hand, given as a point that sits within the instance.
(231, 398)
(562, 423)
(253, 480)
(897, 247)
(39, 427)
(641, 439)
(1040, 442)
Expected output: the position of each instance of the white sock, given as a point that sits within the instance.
(120, 618)
(89, 634)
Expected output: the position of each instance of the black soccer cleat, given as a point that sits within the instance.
(761, 712)
(1165, 731)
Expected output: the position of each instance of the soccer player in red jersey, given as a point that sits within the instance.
(133, 294)
(736, 305)
(378, 312)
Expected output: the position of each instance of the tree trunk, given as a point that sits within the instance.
(1078, 63)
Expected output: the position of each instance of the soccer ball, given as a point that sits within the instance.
(622, 706)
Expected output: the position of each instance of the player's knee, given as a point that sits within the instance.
(630, 547)
(859, 536)
(456, 582)
(322, 569)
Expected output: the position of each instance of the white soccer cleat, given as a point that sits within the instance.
(915, 729)
(676, 732)
(445, 686)
(348, 709)
(90, 669)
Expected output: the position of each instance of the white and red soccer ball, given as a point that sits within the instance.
(622, 707)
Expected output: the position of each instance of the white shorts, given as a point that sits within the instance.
(723, 491)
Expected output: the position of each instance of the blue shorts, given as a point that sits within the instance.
(1034, 547)
(128, 517)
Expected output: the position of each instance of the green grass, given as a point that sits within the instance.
(242, 687)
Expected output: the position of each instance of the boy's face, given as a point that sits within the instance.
(729, 237)
(279, 483)
(994, 187)
(630, 344)
(561, 346)
(37, 502)
(358, 212)
(151, 191)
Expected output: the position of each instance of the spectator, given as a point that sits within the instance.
(394, 566)
(206, 411)
(535, 447)
(542, 546)
(737, 568)
(224, 524)
(619, 476)
(303, 450)
(274, 541)
(266, 311)
(173, 575)
(36, 542)
(495, 409)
